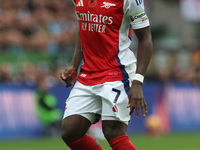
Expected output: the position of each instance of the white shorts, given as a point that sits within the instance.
(109, 100)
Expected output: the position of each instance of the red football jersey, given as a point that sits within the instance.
(104, 28)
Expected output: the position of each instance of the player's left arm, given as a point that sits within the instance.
(145, 47)
(136, 97)
(135, 11)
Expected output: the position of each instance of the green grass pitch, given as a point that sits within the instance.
(142, 142)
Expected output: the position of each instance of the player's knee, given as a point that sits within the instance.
(108, 134)
(108, 131)
(66, 134)
(113, 129)
(73, 128)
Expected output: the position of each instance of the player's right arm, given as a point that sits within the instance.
(69, 74)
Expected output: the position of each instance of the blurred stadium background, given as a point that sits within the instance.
(37, 40)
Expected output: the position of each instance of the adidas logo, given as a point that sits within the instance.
(80, 3)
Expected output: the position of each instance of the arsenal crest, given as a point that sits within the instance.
(92, 3)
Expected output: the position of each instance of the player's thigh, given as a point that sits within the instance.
(74, 127)
(115, 101)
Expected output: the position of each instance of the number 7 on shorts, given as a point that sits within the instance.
(117, 96)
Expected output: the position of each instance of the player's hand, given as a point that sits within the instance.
(136, 99)
(68, 75)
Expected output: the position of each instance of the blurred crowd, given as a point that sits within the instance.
(44, 25)
(29, 74)
(50, 26)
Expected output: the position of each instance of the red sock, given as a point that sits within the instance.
(85, 143)
(122, 143)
